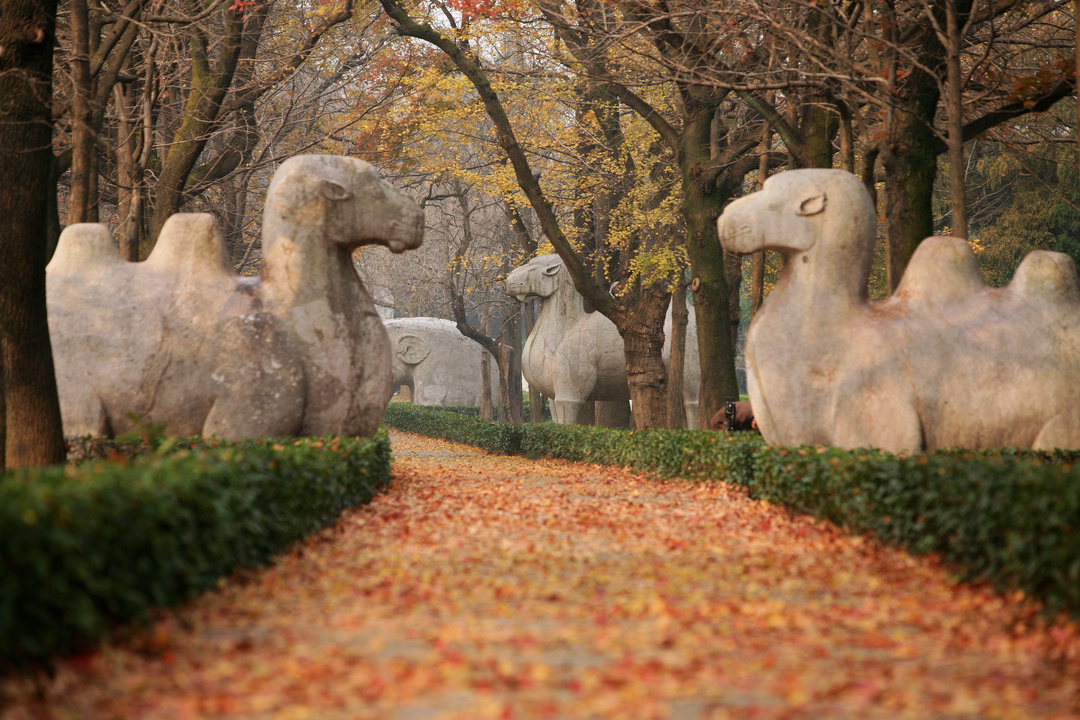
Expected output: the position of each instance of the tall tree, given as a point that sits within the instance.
(890, 62)
(708, 139)
(637, 316)
(30, 424)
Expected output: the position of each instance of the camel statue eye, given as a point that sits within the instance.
(812, 205)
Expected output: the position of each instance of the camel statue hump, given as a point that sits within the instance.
(1048, 276)
(82, 246)
(941, 270)
(190, 244)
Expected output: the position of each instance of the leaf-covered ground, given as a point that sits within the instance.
(491, 587)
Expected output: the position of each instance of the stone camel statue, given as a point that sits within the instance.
(573, 356)
(438, 364)
(182, 341)
(944, 362)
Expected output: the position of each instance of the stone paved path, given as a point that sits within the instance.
(486, 587)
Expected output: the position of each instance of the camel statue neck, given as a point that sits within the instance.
(299, 267)
(559, 312)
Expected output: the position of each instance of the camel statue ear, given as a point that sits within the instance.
(334, 191)
(551, 270)
(412, 349)
(812, 205)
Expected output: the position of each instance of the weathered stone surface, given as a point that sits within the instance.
(182, 341)
(573, 356)
(944, 362)
(438, 364)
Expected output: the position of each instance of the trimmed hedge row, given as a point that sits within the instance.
(474, 410)
(85, 547)
(456, 427)
(1007, 517)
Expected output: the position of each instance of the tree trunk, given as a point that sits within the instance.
(702, 201)
(208, 89)
(955, 110)
(733, 275)
(33, 434)
(818, 126)
(909, 155)
(537, 401)
(129, 181)
(910, 164)
(676, 406)
(511, 400)
(510, 385)
(487, 405)
(644, 350)
(757, 273)
(83, 137)
(613, 414)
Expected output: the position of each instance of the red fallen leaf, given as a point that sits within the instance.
(877, 641)
(83, 662)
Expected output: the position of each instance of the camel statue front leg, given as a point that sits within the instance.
(574, 385)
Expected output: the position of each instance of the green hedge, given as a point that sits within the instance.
(474, 410)
(1007, 517)
(449, 425)
(85, 547)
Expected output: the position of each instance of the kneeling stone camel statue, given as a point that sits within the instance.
(944, 362)
(573, 356)
(181, 340)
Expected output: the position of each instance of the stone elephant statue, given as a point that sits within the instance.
(438, 364)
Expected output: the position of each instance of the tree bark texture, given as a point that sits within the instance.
(757, 272)
(680, 314)
(703, 199)
(209, 85)
(487, 405)
(955, 30)
(910, 164)
(509, 385)
(33, 432)
(510, 391)
(643, 346)
(537, 401)
(83, 137)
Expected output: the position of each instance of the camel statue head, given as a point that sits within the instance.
(537, 278)
(345, 199)
(823, 218)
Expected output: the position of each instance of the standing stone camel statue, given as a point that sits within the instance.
(944, 362)
(180, 340)
(573, 356)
